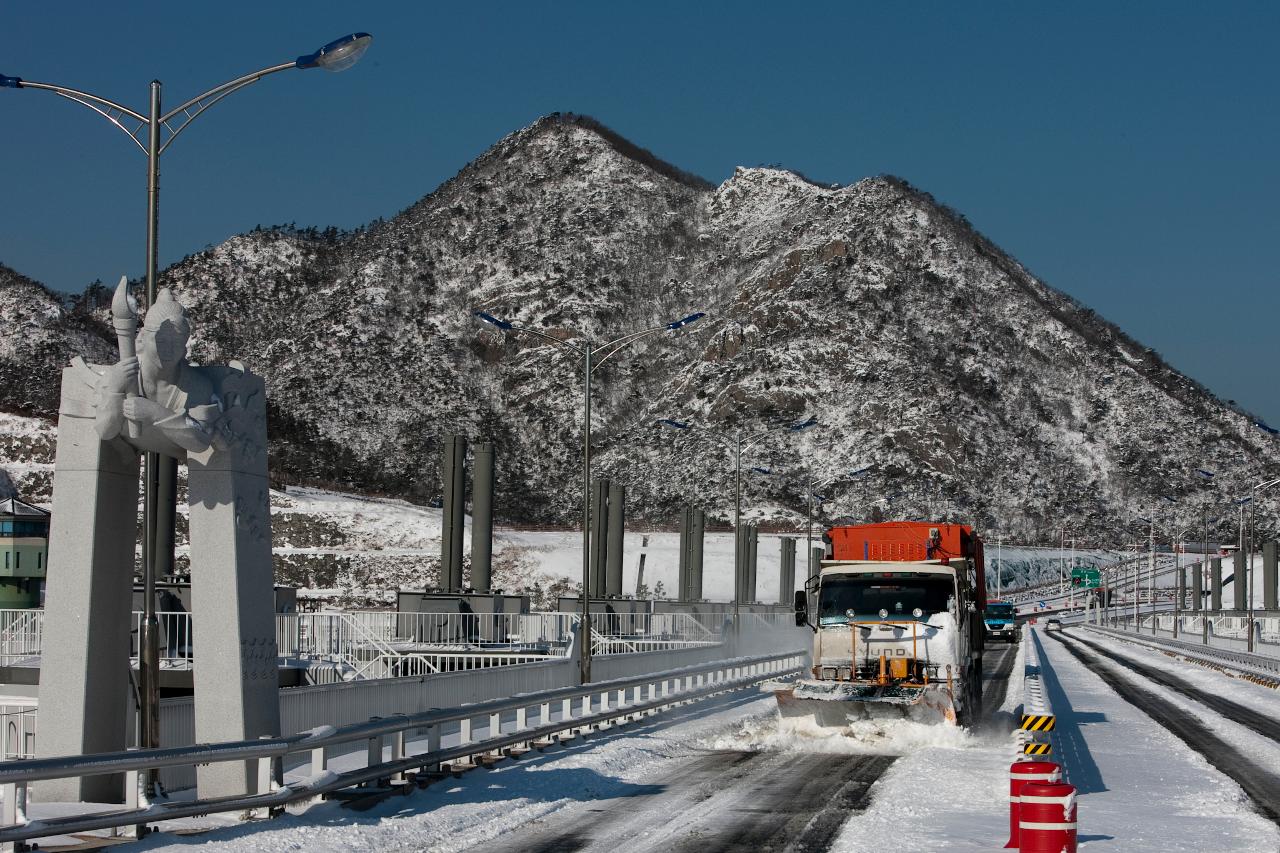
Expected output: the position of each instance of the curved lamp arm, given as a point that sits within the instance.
(337, 55)
(108, 109)
(197, 105)
(512, 327)
(615, 346)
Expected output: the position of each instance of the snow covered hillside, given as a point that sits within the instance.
(973, 390)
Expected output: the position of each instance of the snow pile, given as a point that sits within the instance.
(886, 736)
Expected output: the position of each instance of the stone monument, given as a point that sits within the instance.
(214, 419)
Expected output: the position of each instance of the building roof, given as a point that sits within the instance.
(20, 509)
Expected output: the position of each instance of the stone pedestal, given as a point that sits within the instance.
(232, 598)
(86, 700)
(85, 694)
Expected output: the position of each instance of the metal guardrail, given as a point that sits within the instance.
(1225, 629)
(1263, 667)
(619, 699)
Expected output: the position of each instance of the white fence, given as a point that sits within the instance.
(387, 644)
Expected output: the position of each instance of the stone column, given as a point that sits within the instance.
(695, 555)
(614, 543)
(599, 535)
(1197, 585)
(1269, 576)
(739, 565)
(683, 581)
(1240, 586)
(482, 517)
(233, 604)
(1215, 583)
(86, 704)
(453, 483)
(787, 576)
(753, 541)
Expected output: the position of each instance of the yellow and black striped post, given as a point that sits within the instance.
(1037, 749)
(1037, 722)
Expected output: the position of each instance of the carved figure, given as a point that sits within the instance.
(213, 418)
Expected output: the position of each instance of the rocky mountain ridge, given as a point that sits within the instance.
(970, 389)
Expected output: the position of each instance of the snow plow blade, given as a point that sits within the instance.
(837, 703)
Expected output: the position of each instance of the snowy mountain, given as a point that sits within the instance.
(973, 390)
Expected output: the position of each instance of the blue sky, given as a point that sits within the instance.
(1126, 153)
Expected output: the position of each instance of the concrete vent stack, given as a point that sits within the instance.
(613, 544)
(787, 575)
(1241, 583)
(453, 484)
(482, 517)
(1269, 576)
(695, 555)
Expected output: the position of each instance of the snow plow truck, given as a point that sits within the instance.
(897, 617)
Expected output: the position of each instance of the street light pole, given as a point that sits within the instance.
(160, 475)
(588, 351)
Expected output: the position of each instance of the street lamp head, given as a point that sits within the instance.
(10, 82)
(668, 422)
(860, 471)
(1208, 475)
(759, 470)
(339, 54)
(494, 321)
(685, 321)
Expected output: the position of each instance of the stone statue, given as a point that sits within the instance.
(214, 419)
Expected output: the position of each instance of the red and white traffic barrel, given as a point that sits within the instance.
(1020, 774)
(1047, 819)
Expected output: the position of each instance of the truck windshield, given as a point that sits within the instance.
(867, 596)
(999, 611)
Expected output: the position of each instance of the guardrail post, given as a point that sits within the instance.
(464, 730)
(495, 724)
(319, 761)
(397, 753)
(433, 745)
(132, 779)
(374, 753)
(10, 793)
(266, 784)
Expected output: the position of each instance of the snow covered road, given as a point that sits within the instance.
(717, 775)
(1134, 757)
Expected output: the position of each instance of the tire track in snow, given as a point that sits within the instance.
(1261, 723)
(991, 699)
(1262, 787)
(726, 802)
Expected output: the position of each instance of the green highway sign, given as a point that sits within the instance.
(1086, 577)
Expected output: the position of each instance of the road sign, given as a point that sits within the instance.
(1086, 577)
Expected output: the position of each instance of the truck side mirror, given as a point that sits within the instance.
(802, 608)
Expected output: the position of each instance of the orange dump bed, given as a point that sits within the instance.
(894, 541)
